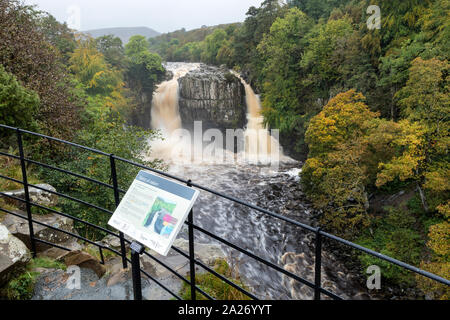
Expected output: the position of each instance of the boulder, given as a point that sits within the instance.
(84, 260)
(38, 196)
(14, 255)
(207, 253)
(59, 254)
(113, 242)
(19, 228)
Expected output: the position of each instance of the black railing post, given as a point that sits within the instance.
(191, 250)
(136, 250)
(27, 194)
(318, 265)
(117, 200)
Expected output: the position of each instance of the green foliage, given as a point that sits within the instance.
(47, 263)
(26, 53)
(111, 137)
(282, 49)
(10, 167)
(213, 43)
(394, 235)
(21, 287)
(18, 106)
(216, 287)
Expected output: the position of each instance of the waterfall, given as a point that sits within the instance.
(250, 179)
(177, 147)
(260, 146)
(165, 113)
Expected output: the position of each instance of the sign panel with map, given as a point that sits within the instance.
(153, 211)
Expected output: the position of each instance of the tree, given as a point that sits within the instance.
(317, 8)
(325, 55)
(35, 63)
(92, 70)
(18, 106)
(144, 72)
(424, 100)
(213, 43)
(112, 49)
(58, 34)
(335, 175)
(281, 50)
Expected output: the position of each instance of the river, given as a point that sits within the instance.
(253, 177)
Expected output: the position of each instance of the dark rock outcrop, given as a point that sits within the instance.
(214, 96)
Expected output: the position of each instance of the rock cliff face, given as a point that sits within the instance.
(212, 95)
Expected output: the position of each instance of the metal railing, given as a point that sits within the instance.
(319, 234)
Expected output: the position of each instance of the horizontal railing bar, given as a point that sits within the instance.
(11, 179)
(268, 263)
(386, 258)
(9, 155)
(218, 275)
(175, 273)
(62, 141)
(53, 228)
(74, 218)
(159, 283)
(73, 199)
(278, 216)
(220, 194)
(167, 267)
(12, 197)
(68, 172)
(60, 195)
(330, 294)
(52, 244)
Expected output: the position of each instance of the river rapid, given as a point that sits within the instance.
(256, 179)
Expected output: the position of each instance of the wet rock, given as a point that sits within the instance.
(14, 255)
(20, 229)
(214, 96)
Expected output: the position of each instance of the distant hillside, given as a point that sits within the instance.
(192, 35)
(124, 33)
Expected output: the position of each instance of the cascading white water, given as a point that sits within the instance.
(165, 113)
(251, 181)
(166, 116)
(260, 146)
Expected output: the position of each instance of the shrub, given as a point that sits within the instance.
(216, 287)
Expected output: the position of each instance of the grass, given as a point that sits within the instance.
(11, 168)
(21, 287)
(216, 287)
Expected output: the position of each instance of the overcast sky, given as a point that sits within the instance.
(160, 15)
